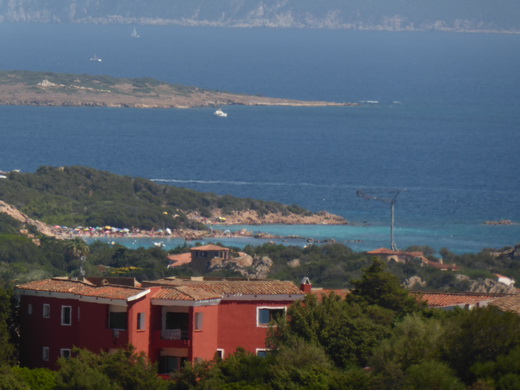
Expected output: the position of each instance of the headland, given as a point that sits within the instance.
(74, 90)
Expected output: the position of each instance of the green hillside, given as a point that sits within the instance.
(74, 196)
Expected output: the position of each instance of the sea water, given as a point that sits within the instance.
(438, 120)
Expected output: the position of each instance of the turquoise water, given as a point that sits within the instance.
(446, 126)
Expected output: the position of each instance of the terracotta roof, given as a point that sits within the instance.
(184, 293)
(80, 288)
(120, 281)
(233, 287)
(441, 266)
(443, 299)
(180, 259)
(209, 248)
(382, 251)
(509, 303)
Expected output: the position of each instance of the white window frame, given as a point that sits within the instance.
(46, 313)
(198, 324)
(262, 350)
(117, 309)
(65, 353)
(262, 325)
(63, 307)
(45, 354)
(220, 353)
(141, 321)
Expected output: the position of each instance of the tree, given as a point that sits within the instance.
(301, 365)
(381, 288)
(344, 331)
(123, 369)
(432, 375)
(8, 324)
(78, 250)
(478, 336)
(414, 341)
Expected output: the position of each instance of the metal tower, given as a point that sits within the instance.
(391, 198)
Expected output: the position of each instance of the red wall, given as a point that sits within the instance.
(141, 339)
(204, 342)
(237, 325)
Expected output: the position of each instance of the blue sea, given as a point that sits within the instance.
(439, 120)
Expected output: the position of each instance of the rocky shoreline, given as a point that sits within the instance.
(217, 226)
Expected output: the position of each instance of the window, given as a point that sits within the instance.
(117, 320)
(29, 308)
(141, 321)
(199, 318)
(46, 310)
(169, 364)
(220, 353)
(65, 353)
(268, 314)
(66, 317)
(177, 321)
(263, 352)
(45, 354)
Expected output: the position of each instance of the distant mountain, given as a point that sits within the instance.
(391, 15)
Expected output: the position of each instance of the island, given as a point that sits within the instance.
(75, 90)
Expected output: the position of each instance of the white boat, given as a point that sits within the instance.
(220, 113)
(134, 34)
(95, 58)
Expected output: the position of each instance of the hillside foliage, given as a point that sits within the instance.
(73, 196)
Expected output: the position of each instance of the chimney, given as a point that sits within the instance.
(306, 285)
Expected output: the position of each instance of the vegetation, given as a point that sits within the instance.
(374, 344)
(377, 338)
(74, 196)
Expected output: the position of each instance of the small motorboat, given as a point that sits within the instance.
(220, 113)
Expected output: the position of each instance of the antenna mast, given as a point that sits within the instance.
(391, 199)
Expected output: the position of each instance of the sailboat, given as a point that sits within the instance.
(134, 33)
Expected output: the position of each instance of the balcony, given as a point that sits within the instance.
(171, 338)
(174, 334)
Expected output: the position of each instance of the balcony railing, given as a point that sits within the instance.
(174, 334)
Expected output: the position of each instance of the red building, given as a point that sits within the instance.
(171, 320)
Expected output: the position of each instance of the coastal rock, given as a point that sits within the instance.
(245, 265)
(414, 282)
(295, 263)
(252, 217)
(491, 286)
(41, 227)
(500, 222)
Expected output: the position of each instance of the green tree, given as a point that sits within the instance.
(413, 341)
(301, 365)
(8, 326)
(36, 378)
(381, 288)
(478, 336)
(123, 369)
(345, 331)
(432, 375)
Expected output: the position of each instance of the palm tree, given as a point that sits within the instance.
(78, 250)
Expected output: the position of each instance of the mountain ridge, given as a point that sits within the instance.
(392, 15)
